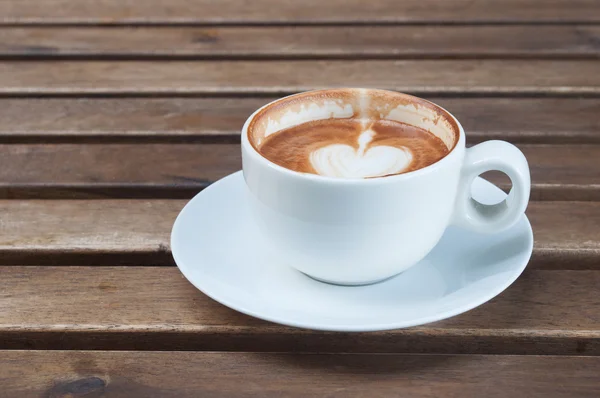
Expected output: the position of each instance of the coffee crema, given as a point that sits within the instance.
(353, 148)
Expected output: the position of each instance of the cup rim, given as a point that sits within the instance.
(251, 150)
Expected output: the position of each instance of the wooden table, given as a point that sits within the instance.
(113, 113)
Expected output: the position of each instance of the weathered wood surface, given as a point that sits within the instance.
(138, 120)
(144, 100)
(192, 374)
(311, 12)
(433, 41)
(517, 77)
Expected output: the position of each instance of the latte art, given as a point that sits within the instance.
(344, 161)
(353, 148)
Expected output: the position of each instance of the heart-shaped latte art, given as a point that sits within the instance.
(344, 161)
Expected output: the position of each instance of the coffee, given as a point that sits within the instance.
(353, 148)
(352, 133)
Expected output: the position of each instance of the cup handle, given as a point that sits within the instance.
(487, 156)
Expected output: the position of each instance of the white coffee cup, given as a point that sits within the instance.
(361, 231)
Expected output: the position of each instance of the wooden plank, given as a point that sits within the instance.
(567, 234)
(564, 41)
(155, 308)
(97, 232)
(311, 11)
(519, 120)
(137, 232)
(194, 374)
(557, 77)
(559, 172)
(77, 118)
(152, 170)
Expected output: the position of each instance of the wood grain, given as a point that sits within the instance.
(564, 41)
(155, 308)
(519, 120)
(558, 172)
(97, 231)
(193, 374)
(152, 170)
(556, 77)
(311, 11)
(137, 232)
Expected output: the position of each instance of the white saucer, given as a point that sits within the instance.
(220, 251)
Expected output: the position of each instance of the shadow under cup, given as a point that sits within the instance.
(351, 231)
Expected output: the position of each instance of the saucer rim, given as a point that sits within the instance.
(371, 327)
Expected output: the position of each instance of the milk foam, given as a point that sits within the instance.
(344, 161)
(425, 118)
(306, 113)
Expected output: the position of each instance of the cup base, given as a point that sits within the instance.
(338, 283)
